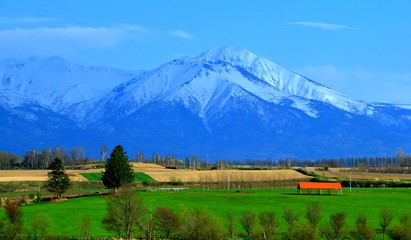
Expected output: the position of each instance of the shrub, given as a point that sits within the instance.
(362, 230)
(247, 220)
(402, 231)
(337, 222)
(197, 224)
(386, 217)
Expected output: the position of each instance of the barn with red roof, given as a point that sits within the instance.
(319, 186)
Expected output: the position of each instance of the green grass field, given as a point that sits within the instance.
(66, 215)
(138, 177)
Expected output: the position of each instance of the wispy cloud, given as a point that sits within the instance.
(30, 20)
(323, 26)
(133, 27)
(181, 34)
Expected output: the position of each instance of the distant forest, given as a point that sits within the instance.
(75, 157)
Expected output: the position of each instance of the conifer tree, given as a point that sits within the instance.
(58, 181)
(118, 171)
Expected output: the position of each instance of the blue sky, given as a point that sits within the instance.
(362, 48)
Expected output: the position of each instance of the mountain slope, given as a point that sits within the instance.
(225, 103)
(56, 83)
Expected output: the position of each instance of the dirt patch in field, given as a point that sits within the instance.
(40, 175)
(56, 200)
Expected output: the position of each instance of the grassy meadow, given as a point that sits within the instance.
(66, 215)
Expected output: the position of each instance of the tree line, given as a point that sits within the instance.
(40, 159)
(128, 216)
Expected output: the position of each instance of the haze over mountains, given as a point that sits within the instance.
(226, 103)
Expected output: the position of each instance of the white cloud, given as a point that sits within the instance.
(370, 85)
(323, 26)
(181, 34)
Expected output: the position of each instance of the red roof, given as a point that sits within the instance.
(319, 185)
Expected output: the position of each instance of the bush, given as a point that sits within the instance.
(386, 217)
(337, 222)
(362, 230)
(402, 231)
(197, 224)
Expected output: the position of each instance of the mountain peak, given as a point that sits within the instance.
(230, 54)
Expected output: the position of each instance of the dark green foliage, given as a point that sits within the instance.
(118, 171)
(58, 181)
(138, 177)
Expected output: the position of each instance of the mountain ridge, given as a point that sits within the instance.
(224, 103)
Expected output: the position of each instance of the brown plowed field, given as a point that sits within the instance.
(343, 173)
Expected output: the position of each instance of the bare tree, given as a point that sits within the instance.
(313, 214)
(230, 225)
(84, 226)
(40, 225)
(337, 222)
(403, 230)
(198, 224)
(166, 220)
(362, 230)
(291, 219)
(124, 213)
(386, 217)
(15, 216)
(268, 223)
(103, 152)
(247, 220)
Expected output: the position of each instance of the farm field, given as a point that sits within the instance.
(66, 215)
(343, 174)
(162, 174)
(138, 177)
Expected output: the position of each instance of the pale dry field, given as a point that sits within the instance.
(40, 175)
(343, 173)
(162, 174)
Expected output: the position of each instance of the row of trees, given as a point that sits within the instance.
(127, 215)
(40, 159)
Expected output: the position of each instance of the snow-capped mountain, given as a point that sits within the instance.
(225, 103)
(56, 83)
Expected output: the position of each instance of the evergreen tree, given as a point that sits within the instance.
(118, 171)
(58, 181)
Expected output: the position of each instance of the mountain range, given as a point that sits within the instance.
(226, 103)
